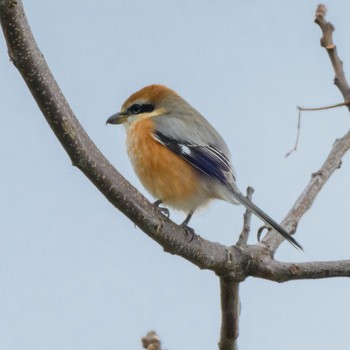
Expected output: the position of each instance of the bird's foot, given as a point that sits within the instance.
(165, 211)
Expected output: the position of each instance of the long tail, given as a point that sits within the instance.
(264, 217)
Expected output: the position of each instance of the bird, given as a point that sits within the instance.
(179, 156)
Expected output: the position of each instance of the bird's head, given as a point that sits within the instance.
(149, 102)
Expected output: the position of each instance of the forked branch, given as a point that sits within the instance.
(340, 147)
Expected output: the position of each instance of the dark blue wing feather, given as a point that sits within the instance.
(207, 159)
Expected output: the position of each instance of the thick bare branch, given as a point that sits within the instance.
(230, 311)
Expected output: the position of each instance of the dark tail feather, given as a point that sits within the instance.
(264, 217)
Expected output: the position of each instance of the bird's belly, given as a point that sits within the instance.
(163, 173)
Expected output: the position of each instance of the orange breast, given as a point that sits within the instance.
(164, 174)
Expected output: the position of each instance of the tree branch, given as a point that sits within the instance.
(340, 147)
(308, 196)
(230, 311)
(327, 29)
(268, 268)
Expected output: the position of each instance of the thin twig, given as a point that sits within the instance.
(297, 138)
(243, 237)
(230, 311)
(327, 42)
(340, 80)
(314, 109)
(303, 109)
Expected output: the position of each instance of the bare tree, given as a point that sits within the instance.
(232, 264)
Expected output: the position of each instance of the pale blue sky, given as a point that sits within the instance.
(74, 272)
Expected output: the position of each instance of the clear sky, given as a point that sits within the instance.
(74, 272)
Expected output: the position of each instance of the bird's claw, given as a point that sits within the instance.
(165, 211)
(189, 231)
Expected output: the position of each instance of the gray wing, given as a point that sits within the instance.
(197, 142)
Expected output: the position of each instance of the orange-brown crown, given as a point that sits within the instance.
(152, 94)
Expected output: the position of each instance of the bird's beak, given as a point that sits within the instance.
(117, 118)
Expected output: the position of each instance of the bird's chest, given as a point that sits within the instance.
(162, 172)
(148, 158)
(141, 147)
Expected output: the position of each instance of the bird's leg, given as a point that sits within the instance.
(165, 211)
(188, 218)
(190, 230)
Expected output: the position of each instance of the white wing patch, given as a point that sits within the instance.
(185, 149)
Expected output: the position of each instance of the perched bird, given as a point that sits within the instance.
(178, 156)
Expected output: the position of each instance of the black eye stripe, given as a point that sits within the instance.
(138, 108)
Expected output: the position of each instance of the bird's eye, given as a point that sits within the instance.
(135, 109)
(141, 108)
